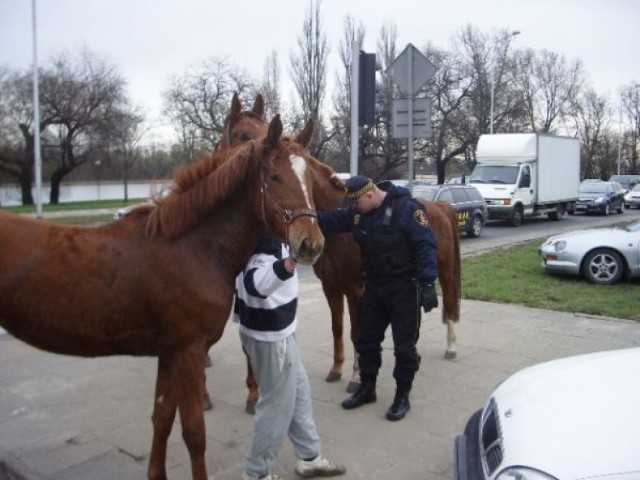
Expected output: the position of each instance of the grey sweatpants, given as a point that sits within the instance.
(284, 406)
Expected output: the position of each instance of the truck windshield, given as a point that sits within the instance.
(495, 174)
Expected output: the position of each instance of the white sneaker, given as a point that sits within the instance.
(318, 467)
(270, 476)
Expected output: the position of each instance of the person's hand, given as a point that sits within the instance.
(290, 264)
(428, 297)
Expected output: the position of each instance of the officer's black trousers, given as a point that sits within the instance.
(395, 302)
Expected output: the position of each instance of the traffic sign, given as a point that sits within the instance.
(411, 70)
(421, 118)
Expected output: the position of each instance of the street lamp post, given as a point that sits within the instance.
(493, 68)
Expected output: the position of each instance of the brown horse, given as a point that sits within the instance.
(339, 267)
(159, 282)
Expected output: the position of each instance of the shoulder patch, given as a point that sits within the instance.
(356, 219)
(421, 217)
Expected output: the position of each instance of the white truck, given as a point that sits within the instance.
(527, 174)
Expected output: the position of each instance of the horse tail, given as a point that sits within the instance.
(454, 308)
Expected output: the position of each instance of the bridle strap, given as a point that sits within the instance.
(287, 215)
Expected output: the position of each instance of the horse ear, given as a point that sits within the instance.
(258, 106)
(275, 132)
(236, 106)
(304, 137)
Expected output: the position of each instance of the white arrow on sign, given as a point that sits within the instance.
(422, 70)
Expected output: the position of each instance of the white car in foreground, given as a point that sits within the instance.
(601, 255)
(575, 418)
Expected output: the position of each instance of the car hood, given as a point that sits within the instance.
(589, 195)
(590, 233)
(574, 418)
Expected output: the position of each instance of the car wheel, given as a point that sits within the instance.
(607, 209)
(603, 266)
(475, 228)
(516, 218)
(621, 208)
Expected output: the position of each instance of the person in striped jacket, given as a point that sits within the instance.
(265, 308)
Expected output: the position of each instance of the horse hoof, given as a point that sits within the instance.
(353, 386)
(208, 405)
(250, 407)
(333, 377)
(449, 355)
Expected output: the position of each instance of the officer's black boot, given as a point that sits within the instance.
(400, 406)
(366, 393)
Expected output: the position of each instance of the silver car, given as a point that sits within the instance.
(632, 197)
(601, 255)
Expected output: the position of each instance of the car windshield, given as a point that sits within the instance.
(494, 174)
(636, 188)
(592, 187)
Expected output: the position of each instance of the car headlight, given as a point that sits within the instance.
(599, 200)
(523, 473)
(560, 245)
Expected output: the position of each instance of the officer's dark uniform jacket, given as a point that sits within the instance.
(394, 238)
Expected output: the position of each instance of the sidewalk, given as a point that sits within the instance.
(68, 418)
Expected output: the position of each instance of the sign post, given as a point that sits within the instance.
(411, 70)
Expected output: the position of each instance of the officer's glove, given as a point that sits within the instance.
(428, 297)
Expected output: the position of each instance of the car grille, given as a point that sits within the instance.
(490, 439)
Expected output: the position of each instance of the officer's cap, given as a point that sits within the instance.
(358, 186)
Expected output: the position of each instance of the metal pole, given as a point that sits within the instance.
(493, 67)
(410, 110)
(355, 75)
(36, 117)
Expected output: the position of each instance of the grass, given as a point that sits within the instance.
(515, 275)
(89, 204)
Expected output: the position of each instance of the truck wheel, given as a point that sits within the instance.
(555, 216)
(475, 229)
(516, 218)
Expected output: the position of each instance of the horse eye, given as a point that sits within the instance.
(245, 137)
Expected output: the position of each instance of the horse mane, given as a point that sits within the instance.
(199, 188)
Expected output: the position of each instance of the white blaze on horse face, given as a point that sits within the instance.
(300, 166)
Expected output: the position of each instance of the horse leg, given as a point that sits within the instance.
(207, 403)
(164, 412)
(187, 377)
(336, 305)
(452, 350)
(253, 395)
(352, 304)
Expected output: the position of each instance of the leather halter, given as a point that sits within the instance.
(287, 215)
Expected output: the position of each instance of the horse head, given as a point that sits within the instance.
(287, 192)
(241, 126)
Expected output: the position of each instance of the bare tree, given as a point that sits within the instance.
(198, 101)
(631, 112)
(80, 96)
(270, 89)
(594, 131)
(86, 97)
(341, 119)
(550, 88)
(308, 67)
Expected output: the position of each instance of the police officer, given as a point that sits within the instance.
(399, 254)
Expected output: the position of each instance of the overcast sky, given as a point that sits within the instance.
(149, 40)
